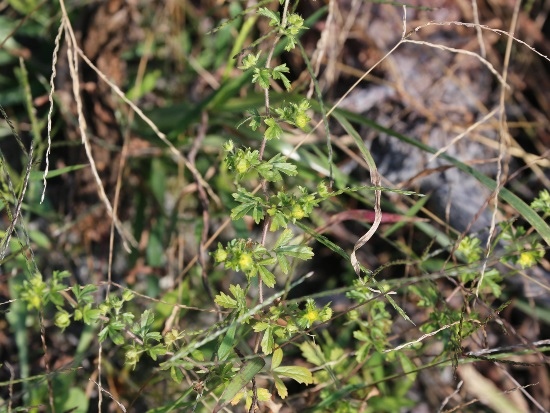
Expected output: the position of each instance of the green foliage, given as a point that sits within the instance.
(278, 205)
(542, 202)
(38, 294)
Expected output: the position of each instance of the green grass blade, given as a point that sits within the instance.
(241, 379)
(513, 200)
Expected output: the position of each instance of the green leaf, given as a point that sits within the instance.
(39, 175)
(260, 326)
(240, 211)
(312, 353)
(273, 131)
(267, 340)
(262, 76)
(238, 293)
(278, 74)
(285, 237)
(277, 358)
(542, 202)
(176, 374)
(228, 342)
(361, 335)
(267, 276)
(274, 18)
(250, 61)
(302, 252)
(147, 318)
(284, 167)
(257, 214)
(90, 315)
(297, 373)
(284, 263)
(280, 386)
(156, 351)
(225, 301)
(241, 379)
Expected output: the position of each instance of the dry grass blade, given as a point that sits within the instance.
(485, 390)
(72, 56)
(50, 111)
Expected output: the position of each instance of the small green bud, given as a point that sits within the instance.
(127, 295)
(62, 319)
(229, 146)
(220, 255)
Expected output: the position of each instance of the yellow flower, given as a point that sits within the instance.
(245, 261)
(302, 120)
(312, 316)
(297, 212)
(526, 259)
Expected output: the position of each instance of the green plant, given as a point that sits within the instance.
(356, 343)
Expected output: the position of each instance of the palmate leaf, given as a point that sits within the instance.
(262, 76)
(273, 130)
(249, 204)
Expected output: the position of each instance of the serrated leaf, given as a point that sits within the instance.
(267, 276)
(225, 301)
(158, 350)
(240, 211)
(267, 341)
(302, 252)
(284, 263)
(280, 386)
(284, 238)
(260, 326)
(237, 292)
(286, 168)
(241, 379)
(279, 70)
(273, 130)
(263, 394)
(262, 76)
(257, 214)
(360, 335)
(277, 358)
(312, 353)
(274, 17)
(278, 74)
(278, 220)
(297, 373)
